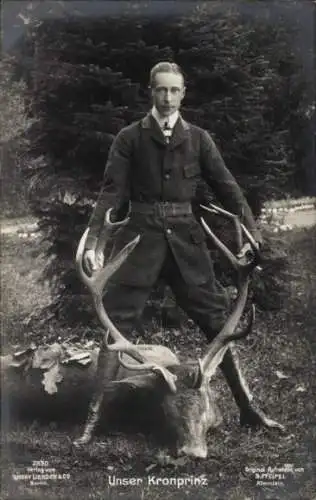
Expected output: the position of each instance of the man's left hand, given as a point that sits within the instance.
(245, 251)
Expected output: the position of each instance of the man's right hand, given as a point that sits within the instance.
(93, 261)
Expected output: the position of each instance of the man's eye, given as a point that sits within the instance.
(173, 90)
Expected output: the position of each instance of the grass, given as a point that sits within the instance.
(22, 263)
(278, 360)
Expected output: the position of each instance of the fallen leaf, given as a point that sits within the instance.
(162, 458)
(45, 357)
(28, 350)
(26, 20)
(301, 388)
(150, 467)
(23, 359)
(165, 459)
(51, 378)
(281, 375)
(90, 344)
(19, 363)
(76, 353)
(158, 335)
(82, 358)
(85, 361)
(290, 436)
(180, 461)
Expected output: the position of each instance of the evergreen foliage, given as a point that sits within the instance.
(87, 79)
(14, 122)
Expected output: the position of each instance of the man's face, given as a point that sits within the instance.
(167, 92)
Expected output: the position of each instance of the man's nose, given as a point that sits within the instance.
(167, 96)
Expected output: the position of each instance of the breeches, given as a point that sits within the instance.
(206, 304)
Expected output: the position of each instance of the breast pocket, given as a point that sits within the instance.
(191, 170)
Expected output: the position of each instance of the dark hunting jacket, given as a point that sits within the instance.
(142, 167)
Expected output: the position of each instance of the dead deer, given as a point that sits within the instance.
(188, 402)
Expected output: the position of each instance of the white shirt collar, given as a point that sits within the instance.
(161, 120)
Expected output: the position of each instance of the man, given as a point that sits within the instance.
(153, 168)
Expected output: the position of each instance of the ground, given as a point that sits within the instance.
(278, 362)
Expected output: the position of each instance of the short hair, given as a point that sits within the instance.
(164, 67)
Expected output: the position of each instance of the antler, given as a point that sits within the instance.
(96, 283)
(244, 263)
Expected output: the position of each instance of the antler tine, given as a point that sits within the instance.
(96, 283)
(219, 210)
(124, 346)
(109, 226)
(231, 257)
(250, 238)
(98, 279)
(219, 345)
(108, 221)
(169, 377)
(239, 226)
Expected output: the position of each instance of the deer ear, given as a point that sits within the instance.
(199, 376)
(144, 380)
(169, 377)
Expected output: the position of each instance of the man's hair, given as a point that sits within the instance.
(164, 67)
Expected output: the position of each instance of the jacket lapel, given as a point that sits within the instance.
(149, 123)
(180, 131)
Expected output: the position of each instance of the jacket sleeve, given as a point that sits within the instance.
(224, 185)
(115, 188)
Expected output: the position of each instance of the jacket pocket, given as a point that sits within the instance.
(197, 235)
(191, 170)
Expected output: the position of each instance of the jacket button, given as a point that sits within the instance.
(169, 231)
(167, 176)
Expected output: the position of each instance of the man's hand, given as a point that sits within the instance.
(247, 254)
(247, 247)
(245, 251)
(93, 261)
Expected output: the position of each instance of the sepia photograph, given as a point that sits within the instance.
(158, 242)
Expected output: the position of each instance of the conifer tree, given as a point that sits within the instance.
(88, 79)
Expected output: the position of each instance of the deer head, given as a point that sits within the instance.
(188, 401)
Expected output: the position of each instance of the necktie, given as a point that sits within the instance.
(167, 131)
